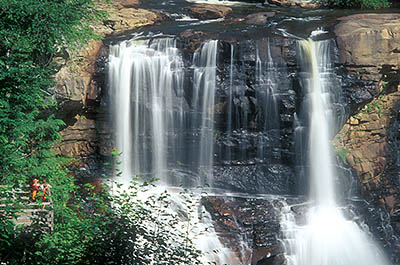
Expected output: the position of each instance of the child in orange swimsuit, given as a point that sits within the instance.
(35, 189)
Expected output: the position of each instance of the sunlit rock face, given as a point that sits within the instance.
(296, 3)
(368, 44)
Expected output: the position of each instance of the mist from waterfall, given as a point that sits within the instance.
(327, 237)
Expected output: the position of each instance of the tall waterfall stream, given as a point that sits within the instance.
(163, 130)
(327, 237)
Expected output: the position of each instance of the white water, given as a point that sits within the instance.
(146, 85)
(327, 238)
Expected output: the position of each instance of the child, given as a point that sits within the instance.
(35, 189)
(45, 190)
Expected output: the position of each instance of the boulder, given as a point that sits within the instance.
(79, 140)
(129, 18)
(369, 44)
(127, 3)
(260, 18)
(207, 11)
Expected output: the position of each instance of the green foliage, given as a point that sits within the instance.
(31, 34)
(111, 225)
(374, 4)
(342, 153)
(374, 106)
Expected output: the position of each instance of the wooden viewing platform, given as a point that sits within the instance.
(29, 212)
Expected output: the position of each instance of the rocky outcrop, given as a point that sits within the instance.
(363, 144)
(250, 227)
(369, 45)
(369, 51)
(80, 139)
(207, 11)
(129, 3)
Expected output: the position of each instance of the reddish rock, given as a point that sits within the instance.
(207, 11)
(367, 42)
(79, 140)
(368, 148)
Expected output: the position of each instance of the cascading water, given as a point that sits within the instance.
(327, 238)
(146, 83)
(267, 97)
(156, 131)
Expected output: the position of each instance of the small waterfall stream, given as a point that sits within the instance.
(327, 237)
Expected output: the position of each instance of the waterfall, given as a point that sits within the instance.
(327, 238)
(156, 130)
(146, 80)
(267, 81)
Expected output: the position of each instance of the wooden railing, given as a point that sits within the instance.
(29, 212)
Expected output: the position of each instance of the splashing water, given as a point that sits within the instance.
(327, 238)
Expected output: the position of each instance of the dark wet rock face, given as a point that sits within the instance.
(267, 179)
(249, 226)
